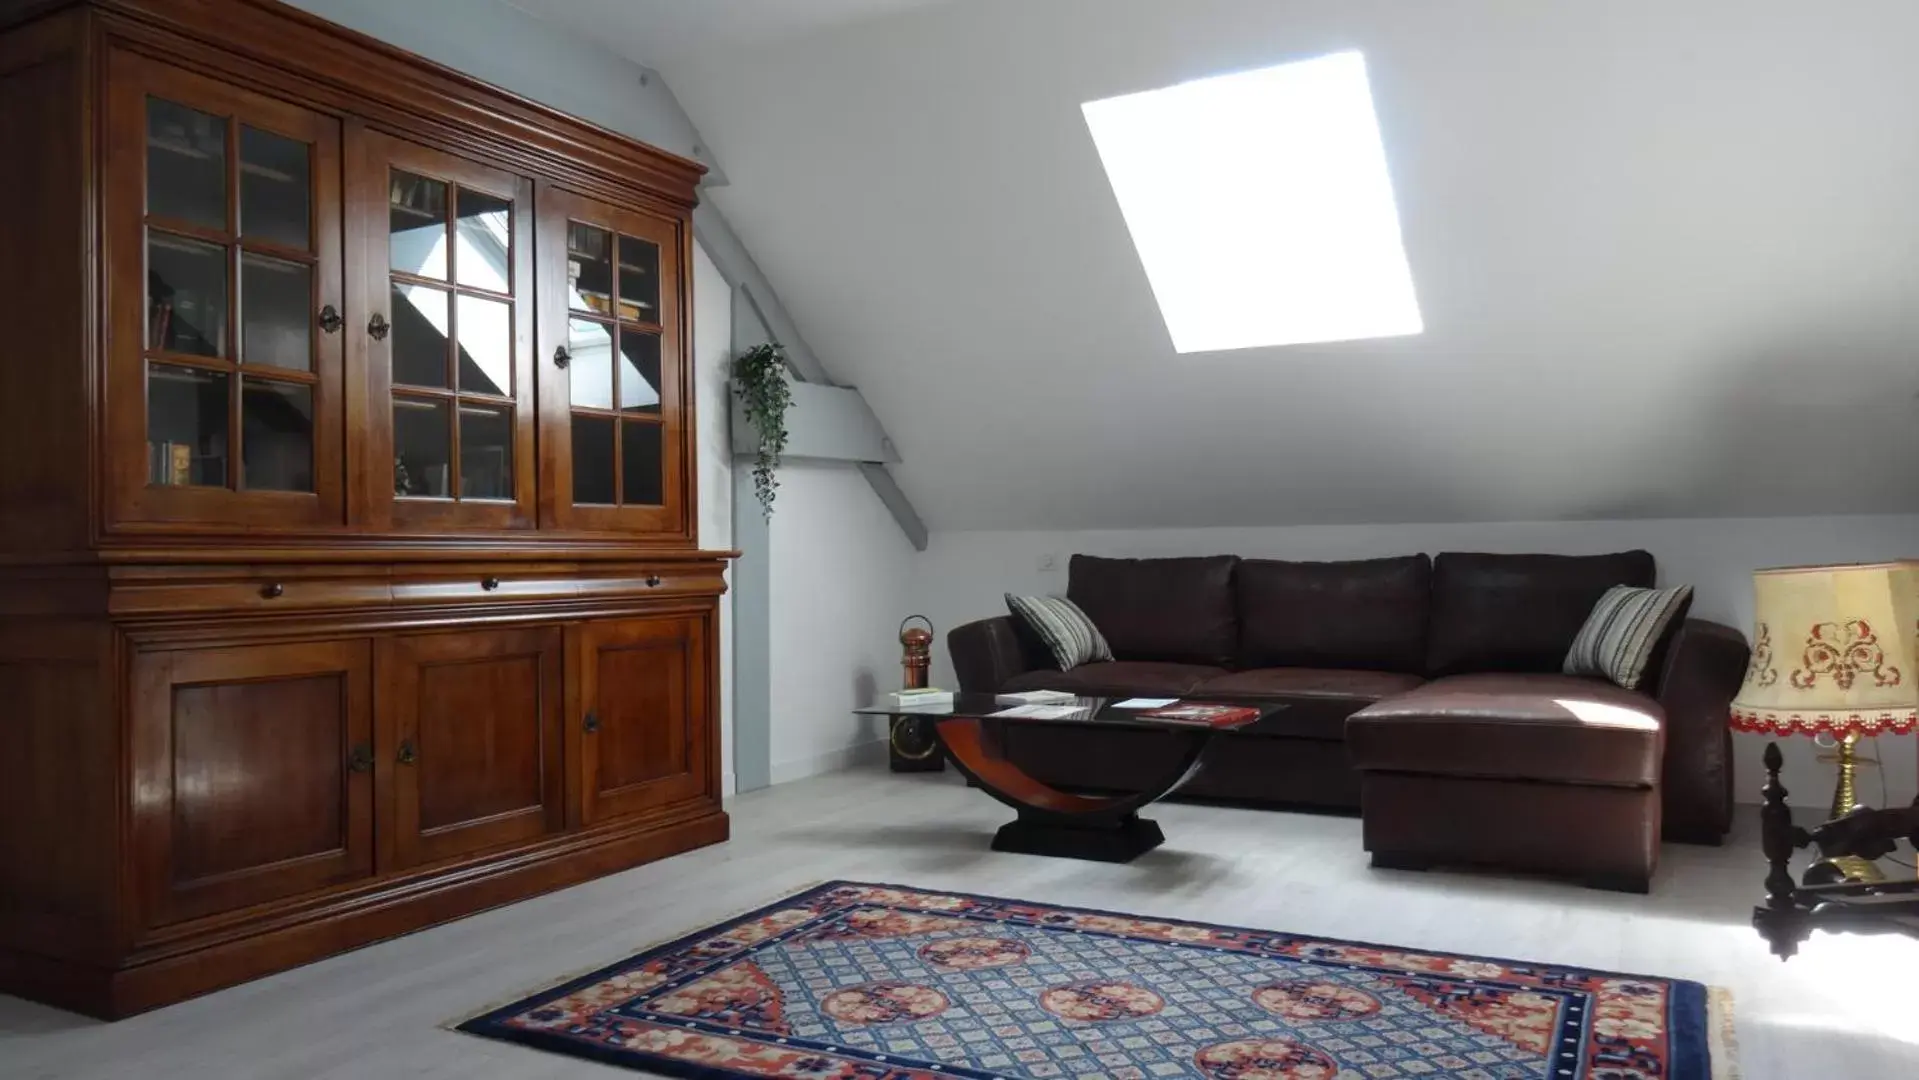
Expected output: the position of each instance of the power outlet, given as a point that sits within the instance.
(1048, 563)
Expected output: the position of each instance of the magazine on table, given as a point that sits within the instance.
(1201, 715)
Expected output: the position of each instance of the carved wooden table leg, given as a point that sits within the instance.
(1781, 922)
(1059, 823)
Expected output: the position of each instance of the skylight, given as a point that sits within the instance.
(1261, 206)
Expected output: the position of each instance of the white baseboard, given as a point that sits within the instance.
(846, 757)
(729, 784)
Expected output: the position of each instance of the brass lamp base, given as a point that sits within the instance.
(1845, 799)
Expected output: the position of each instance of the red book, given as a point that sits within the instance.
(1204, 715)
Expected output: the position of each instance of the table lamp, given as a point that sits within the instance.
(1835, 653)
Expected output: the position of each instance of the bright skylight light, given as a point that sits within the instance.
(1261, 206)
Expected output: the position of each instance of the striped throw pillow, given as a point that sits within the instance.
(1623, 630)
(1067, 632)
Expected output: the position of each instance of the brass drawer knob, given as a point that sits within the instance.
(273, 590)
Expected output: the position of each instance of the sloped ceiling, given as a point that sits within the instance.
(1667, 256)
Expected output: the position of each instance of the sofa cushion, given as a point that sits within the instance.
(1318, 700)
(1519, 612)
(1626, 629)
(1070, 637)
(1365, 613)
(1121, 678)
(1559, 728)
(1178, 610)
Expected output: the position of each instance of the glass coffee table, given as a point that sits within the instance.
(1107, 828)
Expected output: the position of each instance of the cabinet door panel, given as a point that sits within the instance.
(449, 269)
(615, 415)
(252, 773)
(471, 727)
(223, 244)
(642, 714)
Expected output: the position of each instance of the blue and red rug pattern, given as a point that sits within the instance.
(879, 982)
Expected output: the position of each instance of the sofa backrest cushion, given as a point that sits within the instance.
(1519, 612)
(1160, 609)
(1367, 614)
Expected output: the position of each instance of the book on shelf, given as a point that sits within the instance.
(1036, 697)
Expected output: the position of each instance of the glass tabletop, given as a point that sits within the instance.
(1181, 713)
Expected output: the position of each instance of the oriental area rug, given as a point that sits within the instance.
(882, 982)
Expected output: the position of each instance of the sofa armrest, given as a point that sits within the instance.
(1704, 668)
(986, 654)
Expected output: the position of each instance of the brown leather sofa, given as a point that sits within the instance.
(1427, 689)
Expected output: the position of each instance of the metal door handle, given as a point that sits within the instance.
(561, 357)
(378, 327)
(330, 320)
(591, 725)
(407, 754)
(361, 761)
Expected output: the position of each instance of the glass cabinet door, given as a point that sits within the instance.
(613, 414)
(450, 430)
(223, 230)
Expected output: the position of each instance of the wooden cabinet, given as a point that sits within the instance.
(254, 770)
(642, 687)
(470, 729)
(223, 252)
(450, 385)
(348, 576)
(612, 422)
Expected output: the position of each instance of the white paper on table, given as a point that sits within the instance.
(1145, 703)
(1039, 712)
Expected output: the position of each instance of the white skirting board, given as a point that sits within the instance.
(846, 757)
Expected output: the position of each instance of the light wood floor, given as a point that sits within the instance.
(1845, 1008)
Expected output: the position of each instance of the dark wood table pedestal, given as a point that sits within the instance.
(1792, 911)
(1061, 823)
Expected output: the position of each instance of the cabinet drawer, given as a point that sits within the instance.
(480, 584)
(263, 590)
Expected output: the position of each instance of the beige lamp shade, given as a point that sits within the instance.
(1835, 650)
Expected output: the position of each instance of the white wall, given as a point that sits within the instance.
(963, 574)
(712, 362)
(841, 581)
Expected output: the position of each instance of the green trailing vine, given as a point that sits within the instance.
(759, 380)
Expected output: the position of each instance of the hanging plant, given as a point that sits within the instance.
(759, 380)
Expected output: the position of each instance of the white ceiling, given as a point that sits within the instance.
(1667, 255)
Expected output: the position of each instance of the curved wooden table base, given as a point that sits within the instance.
(1060, 823)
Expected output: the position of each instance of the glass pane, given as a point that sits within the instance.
(276, 305)
(422, 445)
(419, 335)
(639, 371)
(483, 229)
(186, 426)
(641, 468)
(186, 295)
(486, 346)
(186, 164)
(416, 224)
(276, 435)
(593, 459)
(639, 280)
(486, 452)
(590, 372)
(589, 268)
(274, 188)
